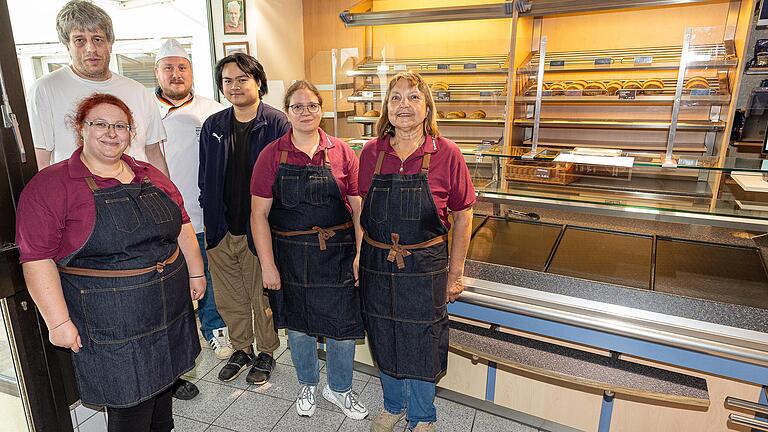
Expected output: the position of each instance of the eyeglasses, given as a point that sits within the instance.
(102, 126)
(299, 108)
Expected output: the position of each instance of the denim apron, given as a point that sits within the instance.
(404, 275)
(127, 291)
(314, 248)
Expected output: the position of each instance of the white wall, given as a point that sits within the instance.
(275, 34)
(34, 22)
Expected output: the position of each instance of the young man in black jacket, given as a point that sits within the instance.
(230, 143)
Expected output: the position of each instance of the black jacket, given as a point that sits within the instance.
(215, 136)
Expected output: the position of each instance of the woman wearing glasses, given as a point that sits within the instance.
(411, 178)
(305, 218)
(112, 263)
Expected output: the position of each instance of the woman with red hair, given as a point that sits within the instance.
(112, 263)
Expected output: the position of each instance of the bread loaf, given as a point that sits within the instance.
(371, 113)
(479, 114)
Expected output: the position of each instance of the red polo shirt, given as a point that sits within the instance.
(449, 178)
(56, 212)
(344, 165)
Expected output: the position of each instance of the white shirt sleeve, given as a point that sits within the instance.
(152, 120)
(40, 111)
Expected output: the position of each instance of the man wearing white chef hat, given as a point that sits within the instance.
(183, 114)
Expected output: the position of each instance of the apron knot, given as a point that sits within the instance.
(323, 235)
(397, 252)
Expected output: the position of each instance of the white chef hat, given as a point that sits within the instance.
(171, 48)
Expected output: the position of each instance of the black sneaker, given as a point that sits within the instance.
(184, 390)
(262, 368)
(236, 364)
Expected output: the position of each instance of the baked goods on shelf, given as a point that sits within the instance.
(456, 115)
(696, 82)
(594, 88)
(441, 114)
(440, 86)
(557, 88)
(653, 86)
(371, 113)
(632, 85)
(613, 87)
(576, 85)
(479, 114)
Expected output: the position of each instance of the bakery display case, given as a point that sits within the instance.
(618, 260)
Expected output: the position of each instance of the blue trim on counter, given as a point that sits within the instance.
(648, 350)
(606, 411)
(490, 382)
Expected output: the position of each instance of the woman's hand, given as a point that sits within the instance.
(271, 277)
(356, 269)
(455, 286)
(66, 336)
(197, 287)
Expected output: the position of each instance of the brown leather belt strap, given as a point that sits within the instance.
(397, 251)
(159, 267)
(323, 234)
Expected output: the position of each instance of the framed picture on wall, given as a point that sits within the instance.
(235, 47)
(234, 17)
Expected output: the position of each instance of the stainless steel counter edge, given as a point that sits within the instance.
(739, 344)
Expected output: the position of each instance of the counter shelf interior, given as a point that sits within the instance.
(709, 271)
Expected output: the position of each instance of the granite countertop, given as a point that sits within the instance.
(732, 315)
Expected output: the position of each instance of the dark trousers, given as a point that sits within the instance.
(153, 415)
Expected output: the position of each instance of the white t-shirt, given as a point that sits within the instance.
(53, 98)
(182, 149)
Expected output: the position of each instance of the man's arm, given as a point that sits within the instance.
(43, 157)
(155, 157)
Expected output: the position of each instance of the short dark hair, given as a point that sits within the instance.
(247, 64)
(298, 85)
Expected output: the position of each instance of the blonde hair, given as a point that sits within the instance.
(384, 127)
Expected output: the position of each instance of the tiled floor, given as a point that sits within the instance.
(237, 406)
(240, 407)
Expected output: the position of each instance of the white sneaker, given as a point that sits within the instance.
(347, 402)
(220, 343)
(305, 402)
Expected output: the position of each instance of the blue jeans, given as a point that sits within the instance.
(417, 396)
(339, 360)
(206, 306)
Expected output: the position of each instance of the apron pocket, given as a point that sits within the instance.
(378, 200)
(318, 190)
(410, 204)
(124, 213)
(156, 207)
(123, 313)
(414, 298)
(289, 190)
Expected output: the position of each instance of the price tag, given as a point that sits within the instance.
(557, 63)
(442, 96)
(687, 162)
(627, 94)
(546, 92)
(700, 92)
(574, 92)
(486, 94)
(443, 66)
(487, 143)
(470, 65)
(400, 67)
(603, 61)
(643, 60)
(367, 94)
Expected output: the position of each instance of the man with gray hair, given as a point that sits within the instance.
(233, 23)
(86, 30)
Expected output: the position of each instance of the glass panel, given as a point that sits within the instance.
(712, 272)
(11, 406)
(605, 257)
(513, 243)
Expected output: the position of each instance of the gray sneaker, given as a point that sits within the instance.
(305, 402)
(347, 402)
(424, 427)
